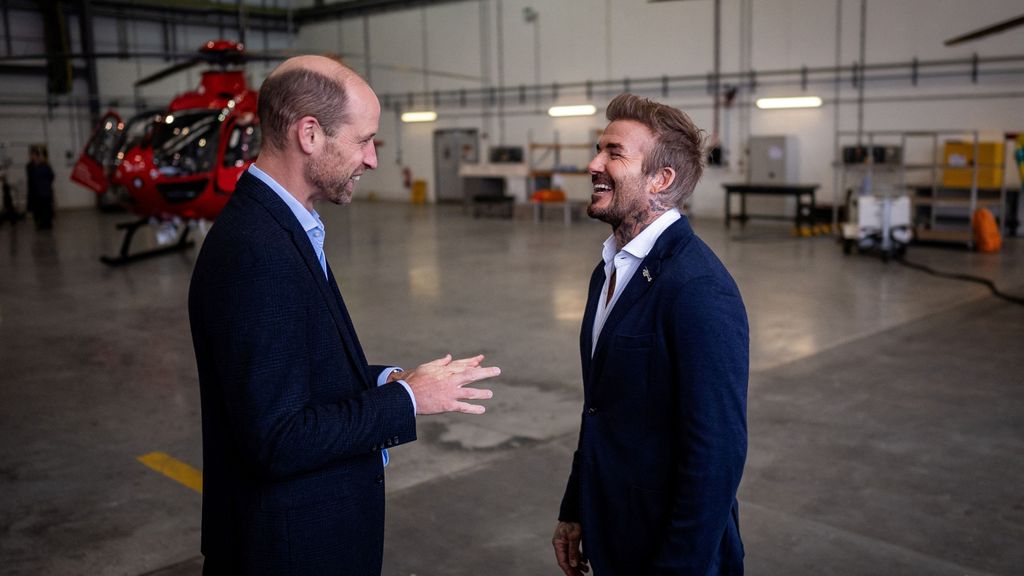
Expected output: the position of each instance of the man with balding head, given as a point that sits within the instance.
(296, 424)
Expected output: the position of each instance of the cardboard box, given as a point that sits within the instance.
(959, 161)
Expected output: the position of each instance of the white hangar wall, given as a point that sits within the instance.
(483, 44)
(599, 40)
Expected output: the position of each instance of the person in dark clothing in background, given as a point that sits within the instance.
(39, 181)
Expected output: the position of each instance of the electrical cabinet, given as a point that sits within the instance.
(773, 160)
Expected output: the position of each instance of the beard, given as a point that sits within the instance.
(627, 200)
(323, 174)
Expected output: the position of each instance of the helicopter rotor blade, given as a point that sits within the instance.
(169, 71)
(986, 31)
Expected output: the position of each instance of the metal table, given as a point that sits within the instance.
(804, 194)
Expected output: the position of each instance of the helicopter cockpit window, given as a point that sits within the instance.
(105, 143)
(243, 145)
(185, 143)
(136, 130)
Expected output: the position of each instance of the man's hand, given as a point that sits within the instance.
(567, 549)
(439, 386)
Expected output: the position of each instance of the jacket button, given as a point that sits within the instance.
(591, 411)
(379, 479)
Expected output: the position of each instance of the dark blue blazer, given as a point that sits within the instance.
(663, 436)
(293, 422)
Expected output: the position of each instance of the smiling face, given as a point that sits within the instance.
(344, 157)
(622, 193)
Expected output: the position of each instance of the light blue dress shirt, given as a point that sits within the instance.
(308, 219)
(314, 227)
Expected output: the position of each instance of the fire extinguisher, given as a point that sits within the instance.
(406, 177)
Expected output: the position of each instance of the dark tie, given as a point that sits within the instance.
(611, 288)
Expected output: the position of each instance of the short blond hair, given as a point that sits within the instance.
(679, 143)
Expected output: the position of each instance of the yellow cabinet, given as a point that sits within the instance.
(960, 164)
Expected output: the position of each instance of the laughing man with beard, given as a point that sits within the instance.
(664, 349)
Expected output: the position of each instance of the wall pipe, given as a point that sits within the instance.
(836, 116)
(743, 79)
(862, 65)
(85, 25)
(717, 76)
(501, 73)
(699, 103)
(7, 29)
(483, 9)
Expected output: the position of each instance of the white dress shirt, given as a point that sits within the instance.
(625, 263)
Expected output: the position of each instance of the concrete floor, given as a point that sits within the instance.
(886, 406)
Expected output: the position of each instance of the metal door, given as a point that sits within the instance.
(451, 148)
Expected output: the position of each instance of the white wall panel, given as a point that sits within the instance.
(907, 28)
(794, 33)
(675, 38)
(453, 44)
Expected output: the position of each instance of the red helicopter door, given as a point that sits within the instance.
(96, 160)
(240, 148)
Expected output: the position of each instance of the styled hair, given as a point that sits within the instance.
(678, 143)
(286, 97)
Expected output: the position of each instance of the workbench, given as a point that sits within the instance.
(804, 194)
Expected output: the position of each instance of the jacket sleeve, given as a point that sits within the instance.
(256, 323)
(708, 342)
(569, 511)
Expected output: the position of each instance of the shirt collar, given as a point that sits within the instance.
(308, 219)
(640, 246)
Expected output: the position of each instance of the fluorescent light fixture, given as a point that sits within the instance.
(424, 116)
(581, 110)
(796, 102)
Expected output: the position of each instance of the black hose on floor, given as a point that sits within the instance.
(967, 278)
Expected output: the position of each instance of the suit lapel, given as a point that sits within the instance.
(355, 350)
(589, 314)
(300, 240)
(329, 290)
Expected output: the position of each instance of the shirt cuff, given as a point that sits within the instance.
(382, 379)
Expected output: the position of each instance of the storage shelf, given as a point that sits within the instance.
(930, 235)
(955, 202)
(864, 166)
(940, 213)
(549, 168)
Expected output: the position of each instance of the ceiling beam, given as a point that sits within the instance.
(354, 8)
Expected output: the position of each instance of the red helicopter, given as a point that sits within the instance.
(182, 163)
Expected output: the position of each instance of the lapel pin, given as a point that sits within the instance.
(647, 275)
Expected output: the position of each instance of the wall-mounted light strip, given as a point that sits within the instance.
(424, 116)
(581, 110)
(796, 102)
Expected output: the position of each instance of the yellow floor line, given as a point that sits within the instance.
(174, 469)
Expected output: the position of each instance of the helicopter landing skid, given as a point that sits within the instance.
(130, 229)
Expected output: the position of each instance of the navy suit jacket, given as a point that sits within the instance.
(663, 436)
(293, 422)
